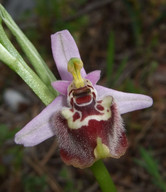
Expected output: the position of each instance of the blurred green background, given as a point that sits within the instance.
(126, 40)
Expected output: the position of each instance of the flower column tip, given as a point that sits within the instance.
(74, 67)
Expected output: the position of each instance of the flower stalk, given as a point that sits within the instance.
(103, 177)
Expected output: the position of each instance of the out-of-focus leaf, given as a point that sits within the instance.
(151, 166)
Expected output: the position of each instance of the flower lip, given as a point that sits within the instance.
(86, 99)
(82, 96)
(81, 91)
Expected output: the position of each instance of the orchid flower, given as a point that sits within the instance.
(85, 117)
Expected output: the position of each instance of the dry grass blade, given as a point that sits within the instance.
(41, 170)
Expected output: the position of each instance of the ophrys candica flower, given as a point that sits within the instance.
(85, 117)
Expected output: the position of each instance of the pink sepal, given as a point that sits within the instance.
(39, 128)
(126, 102)
(63, 49)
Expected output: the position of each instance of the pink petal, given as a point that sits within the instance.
(39, 129)
(63, 49)
(94, 76)
(126, 102)
(61, 86)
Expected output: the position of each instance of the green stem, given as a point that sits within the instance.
(10, 56)
(30, 51)
(103, 177)
(27, 75)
